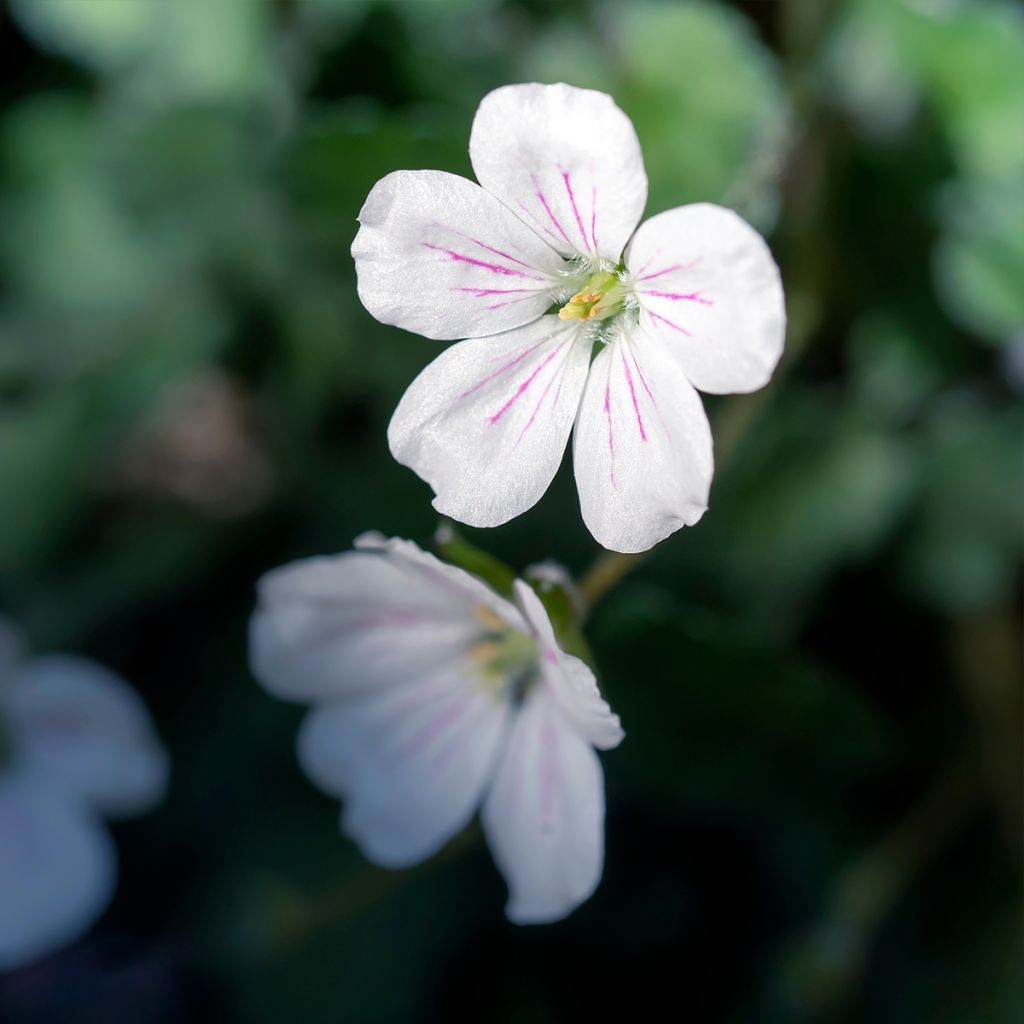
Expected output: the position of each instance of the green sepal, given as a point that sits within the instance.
(565, 610)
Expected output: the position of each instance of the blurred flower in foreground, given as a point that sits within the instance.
(76, 744)
(690, 299)
(433, 695)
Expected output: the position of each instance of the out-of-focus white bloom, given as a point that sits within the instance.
(76, 745)
(689, 300)
(433, 696)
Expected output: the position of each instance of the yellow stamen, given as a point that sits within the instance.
(485, 653)
(489, 618)
(587, 303)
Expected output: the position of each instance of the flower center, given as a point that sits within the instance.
(503, 656)
(601, 296)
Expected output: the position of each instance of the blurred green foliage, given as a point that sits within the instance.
(191, 394)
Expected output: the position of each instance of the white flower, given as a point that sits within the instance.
(433, 696)
(75, 743)
(690, 299)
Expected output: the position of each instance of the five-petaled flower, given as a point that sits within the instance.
(76, 743)
(434, 696)
(690, 299)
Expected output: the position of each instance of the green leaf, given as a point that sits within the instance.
(107, 35)
(703, 93)
(966, 60)
(979, 262)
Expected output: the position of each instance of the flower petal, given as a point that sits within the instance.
(333, 627)
(57, 871)
(642, 447)
(84, 731)
(449, 580)
(486, 423)
(412, 763)
(711, 292)
(544, 815)
(566, 160)
(569, 679)
(439, 256)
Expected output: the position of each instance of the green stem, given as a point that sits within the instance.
(607, 570)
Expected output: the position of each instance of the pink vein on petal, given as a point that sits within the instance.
(678, 296)
(483, 245)
(504, 369)
(529, 213)
(611, 438)
(398, 617)
(548, 754)
(543, 202)
(657, 253)
(544, 394)
(432, 729)
(665, 320)
(521, 390)
(632, 394)
(593, 216)
(643, 379)
(493, 291)
(442, 758)
(665, 270)
(482, 292)
(493, 267)
(575, 209)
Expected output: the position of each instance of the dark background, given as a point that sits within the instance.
(816, 814)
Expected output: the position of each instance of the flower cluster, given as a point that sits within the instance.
(431, 694)
(76, 745)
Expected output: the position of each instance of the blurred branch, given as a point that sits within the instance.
(823, 968)
(987, 653)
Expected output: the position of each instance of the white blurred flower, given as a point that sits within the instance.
(433, 696)
(689, 300)
(76, 745)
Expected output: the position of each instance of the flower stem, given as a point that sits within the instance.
(607, 570)
(822, 968)
(985, 648)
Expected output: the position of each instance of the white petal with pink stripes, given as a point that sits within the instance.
(486, 423)
(440, 256)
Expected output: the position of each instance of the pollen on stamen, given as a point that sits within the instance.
(600, 298)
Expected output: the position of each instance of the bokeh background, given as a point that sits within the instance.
(816, 814)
